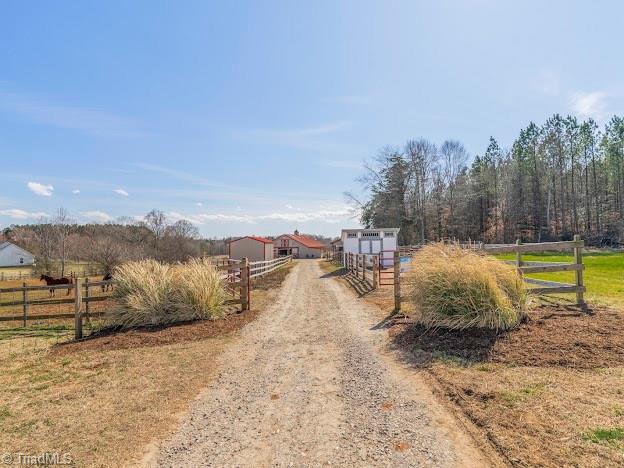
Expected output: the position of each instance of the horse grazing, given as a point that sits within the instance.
(50, 281)
(107, 277)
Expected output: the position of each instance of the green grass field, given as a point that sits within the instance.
(603, 275)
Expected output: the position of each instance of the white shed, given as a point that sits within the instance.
(380, 241)
(13, 256)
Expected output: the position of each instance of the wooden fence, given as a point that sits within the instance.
(264, 267)
(387, 268)
(545, 287)
(237, 276)
(364, 267)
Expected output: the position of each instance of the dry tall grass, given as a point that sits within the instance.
(151, 293)
(455, 288)
(198, 291)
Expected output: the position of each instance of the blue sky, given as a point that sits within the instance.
(255, 117)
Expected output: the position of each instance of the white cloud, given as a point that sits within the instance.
(591, 104)
(21, 214)
(98, 216)
(40, 189)
(199, 204)
(76, 191)
(325, 216)
(323, 129)
(121, 192)
(311, 138)
(289, 206)
(87, 120)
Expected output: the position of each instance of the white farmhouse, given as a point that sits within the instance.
(382, 242)
(13, 256)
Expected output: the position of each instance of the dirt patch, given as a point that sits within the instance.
(553, 336)
(539, 394)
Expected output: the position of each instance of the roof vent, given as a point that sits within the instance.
(296, 232)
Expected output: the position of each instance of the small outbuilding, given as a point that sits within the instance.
(298, 246)
(15, 262)
(337, 245)
(380, 242)
(13, 256)
(253, 247)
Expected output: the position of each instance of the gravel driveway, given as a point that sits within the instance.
(310, 383)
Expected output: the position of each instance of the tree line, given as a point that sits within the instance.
(57, 240)
(562, 178)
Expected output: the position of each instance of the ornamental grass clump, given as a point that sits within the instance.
(150, 293)
(198, 291)
(457, 289)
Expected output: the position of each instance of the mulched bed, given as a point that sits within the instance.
(158, 336)
(553, 336)
(180, 332)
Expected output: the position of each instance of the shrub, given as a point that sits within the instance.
(151, 293)
(458, 289)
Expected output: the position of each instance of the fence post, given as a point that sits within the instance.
(244, 287)
(87, 298)
(518, 257)
(578, 259)
(77, 309)
(359, 263)
(25, 297)
(397, 281)
(375, 271)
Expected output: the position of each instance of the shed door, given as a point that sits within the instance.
(376, 246)
(365, 246)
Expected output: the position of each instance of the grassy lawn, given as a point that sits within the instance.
(603, 276)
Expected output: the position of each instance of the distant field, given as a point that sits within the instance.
(603, 276)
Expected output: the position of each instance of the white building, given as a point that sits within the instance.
(382, 242)
(13, 256)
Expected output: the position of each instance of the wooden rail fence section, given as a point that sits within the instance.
(237, 276)
(546, 287)
(369, 268)
(364, 267)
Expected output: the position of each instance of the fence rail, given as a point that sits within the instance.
(388, 267)
(545, 287)
(17, 302)
(264, 267)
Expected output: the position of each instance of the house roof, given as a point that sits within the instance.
(336, 240)
(256, 238)
(4, 245)
(307, 241)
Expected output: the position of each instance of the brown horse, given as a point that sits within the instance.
(50, 281)
(107, 277)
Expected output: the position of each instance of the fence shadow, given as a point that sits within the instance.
(339, 272)
(361, 287)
